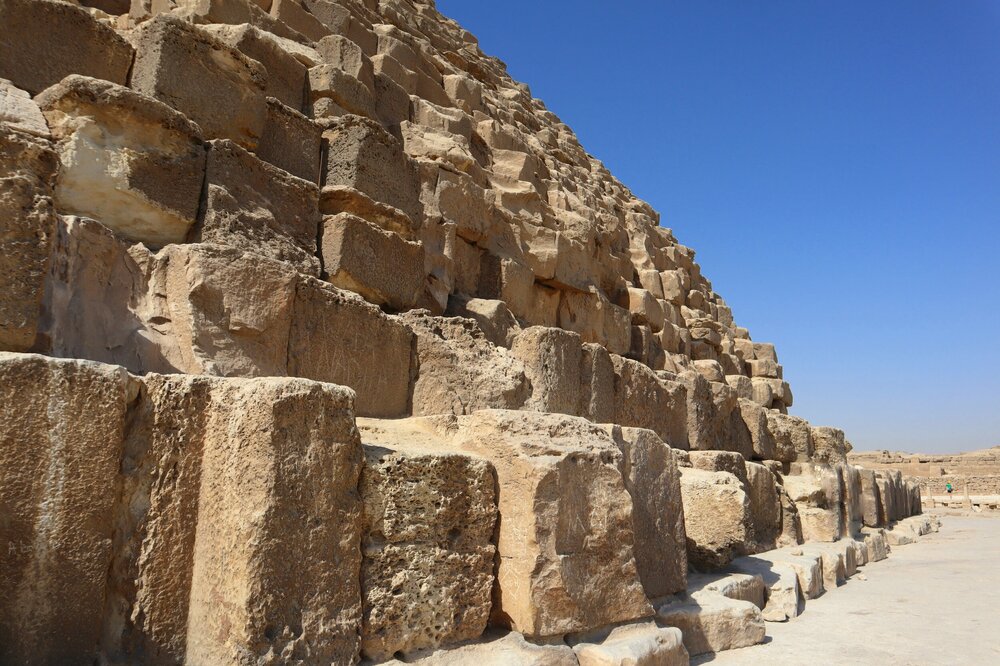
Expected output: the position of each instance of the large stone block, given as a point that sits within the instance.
(596, 319)
(755, 418)
(829, 446)
(356, 256)
(19, 112)
(816, 491)
(641, 644)
(279, 526)
(597, 382)
(71, 42)
(198, 75)
(361, 154)
(784, 596)
(716, 514)
(333, 93)
(871, 515)
(460, 371)
(427, 572)
(714, 623)
(566, 539)
(792, 437)
(504, 650)
(643, 399)
(128, 161)
(337, 337)
(61, 439)
(765, 508)
(27, 233)
(653, 482)
(259, 208)
(552, 361)
(291, 141)
(703, 424)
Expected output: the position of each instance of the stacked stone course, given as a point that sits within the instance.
(323, 341)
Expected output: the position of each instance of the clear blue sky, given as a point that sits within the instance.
(836, 165)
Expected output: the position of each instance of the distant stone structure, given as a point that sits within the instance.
(975, 472)
(322, 340)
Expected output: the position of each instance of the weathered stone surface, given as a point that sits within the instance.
(427, 572)
(291, 141)
(815, 489)
(362, 155)
(128, 160)
(333, 93)
(755, 418)
(792, 437)
(259, 208)
(765, 508)
(643, 399)
(643, 644)
(829, 446)
(552, 361)
(876, 543)
(716, 509)
(597, 377)
(197, 74)
(61, 433)
(871, 514)
(653, 482)
(27, 232)
(354, 253)
(714, 623)
(19, 112)
(784, 598)
(494, 318)
(73, 43)
(566, 553)
(741, 586)
(335, 199)
(509, 648)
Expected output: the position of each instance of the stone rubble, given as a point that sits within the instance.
(323, 341)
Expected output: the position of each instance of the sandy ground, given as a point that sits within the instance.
(936, 601)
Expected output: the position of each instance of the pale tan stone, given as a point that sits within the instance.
(714, 623)
(552, 361)
(785, 600)
(19, 112)
(643, 644)
(642, 399)
(504, 650)
(291, 141)
(716, 509)
(765, 507)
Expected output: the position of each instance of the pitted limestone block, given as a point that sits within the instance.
(459, 371)
(645, 309)
(286, 76)
(765, 507)
(128, 160)
(816, 491)
(552, 361)
(494, 318)
(354, 258)
(641, 644)
(763, 368)
(197, 74)
(427, 569)
(566, 539)
(333, 93)
(341, 52)
(510, 281)
(784, 599)
(832, 560)
(19, 112)
(28, 228)
(871, 514)
(713, 623)
(820, 524)
(465, 91)
(361, 154)
(792, 437)
(716, 514)
(279, 525)
(337, 337)
(597, 382)
(653, 482)
(643, 399)
(291, 141)
(500, 650)
(256, 207)
(61, 435)
(74, 42)
(829, 446)
(755, 419)
(851, 498)
(596, 319)
(710, 370)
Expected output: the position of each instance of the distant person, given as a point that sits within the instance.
(948, 487)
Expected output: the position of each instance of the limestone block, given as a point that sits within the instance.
(851, 498)
(653, 482)
(710, 370)
(467, 260)
(792, 437)
(785, 600)
(716, 510)
(732, 430)
(461, 201)
(829, 446)
(334, 199)
(791, 525)
(344, 54)
(565, 541)
(642, 399)
(460, 371)
(714, 623)
(819, 524)
(387, 66)
(649, 279)
(337, 337)
(832, 560)
(597, 382)
(876, 543)
(808, 568)
(645, 309)
(232, 12)
(74, 42)
(509, 648)
(427, 572)
(765, 507)
(703, 423)
(552, 361)
(334, 93)
(362, 155)
(279, 526)
(673, 286)
(763, 368)
(596, 319)
(643, 644)
(494, 318)
(291, 141)
(380, 265)
(465, 91)
(298, 18)
(720, 461)
(765, 351)
(192, 71)
(61, 429)
(392, 103)
(128, 161)
(259, 208)
(871, 515)
(19, 112)
(755, 419)
(27, 232)
(741, 586)
(286, 76)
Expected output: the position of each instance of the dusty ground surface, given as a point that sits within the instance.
(933, 602)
